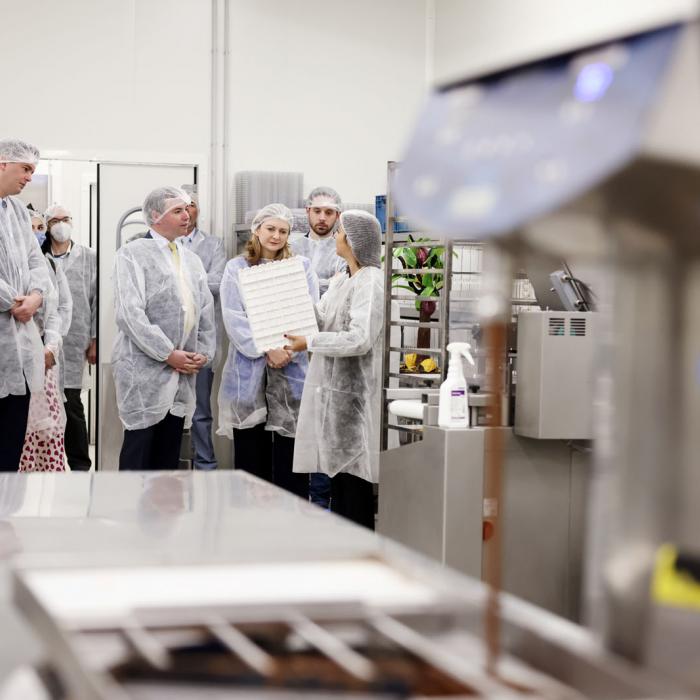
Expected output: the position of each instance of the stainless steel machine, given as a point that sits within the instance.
(555, 375)
(592, 155)
(432, 498)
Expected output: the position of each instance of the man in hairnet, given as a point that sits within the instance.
(24, 284)
(339, 418)
(210, 250)
(79, 263)
(322, 209)
(165, 333)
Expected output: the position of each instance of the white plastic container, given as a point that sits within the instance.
(453, 411)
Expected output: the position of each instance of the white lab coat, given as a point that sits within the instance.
(339, 419)
(80, 267)
(150, 315)
(22, 270)
(325, 262)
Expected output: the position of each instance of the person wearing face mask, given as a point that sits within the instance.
(210, 250)
(260, 392)
(165, 334)
(24, 285)
(79, 264)
(339, 418)
(38, 226)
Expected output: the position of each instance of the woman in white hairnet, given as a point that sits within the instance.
(260, 393)
(339, 418)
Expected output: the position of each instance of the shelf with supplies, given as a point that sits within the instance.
(449, 311)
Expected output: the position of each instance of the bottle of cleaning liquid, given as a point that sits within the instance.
(453, 411)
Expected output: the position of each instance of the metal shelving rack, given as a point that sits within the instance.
(442, 325)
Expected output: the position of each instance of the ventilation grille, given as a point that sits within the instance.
(577, 326)
(556, 326)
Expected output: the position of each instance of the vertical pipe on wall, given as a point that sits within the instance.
(429, 43)
(225, 184)
(217, 174)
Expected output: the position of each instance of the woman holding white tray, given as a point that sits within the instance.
(260, 393)
(339, 419)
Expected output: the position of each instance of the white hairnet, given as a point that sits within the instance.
(160, 201)
(364, 235)
(16, 151)
(37, 215)
(272, 211)
(324, 197)
(54, 209)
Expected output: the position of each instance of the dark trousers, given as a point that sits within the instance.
(202, 445)
(152, 448)
(14, 411)
(268, 456)
(353, 498)
(76, 432)
(320, 489)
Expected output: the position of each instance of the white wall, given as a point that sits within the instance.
(473, 36)
(96, 77)
(325, 87)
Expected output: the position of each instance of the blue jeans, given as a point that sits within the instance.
(204, 457)
(320, 489)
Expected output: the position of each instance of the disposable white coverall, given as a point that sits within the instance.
(22, 270)
(150, 316)
(80, 267)
(324, 260)
(251, 392)
(339, 418)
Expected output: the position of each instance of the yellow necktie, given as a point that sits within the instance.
(185, 291)
(176, 256)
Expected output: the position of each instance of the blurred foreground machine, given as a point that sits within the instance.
(593, 157)
(139, 588)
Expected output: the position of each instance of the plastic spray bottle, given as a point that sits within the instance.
(453, 411)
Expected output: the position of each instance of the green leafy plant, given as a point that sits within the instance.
(426, 284)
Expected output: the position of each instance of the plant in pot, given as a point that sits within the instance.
(426, 284)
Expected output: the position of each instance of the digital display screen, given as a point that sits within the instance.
(491, 154)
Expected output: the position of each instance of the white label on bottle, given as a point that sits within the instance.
(457, 404)
(490, 507)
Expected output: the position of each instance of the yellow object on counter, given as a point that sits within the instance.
(411, 360)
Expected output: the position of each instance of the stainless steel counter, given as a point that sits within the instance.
(114, 519)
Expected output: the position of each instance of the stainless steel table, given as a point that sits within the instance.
(113, 519)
